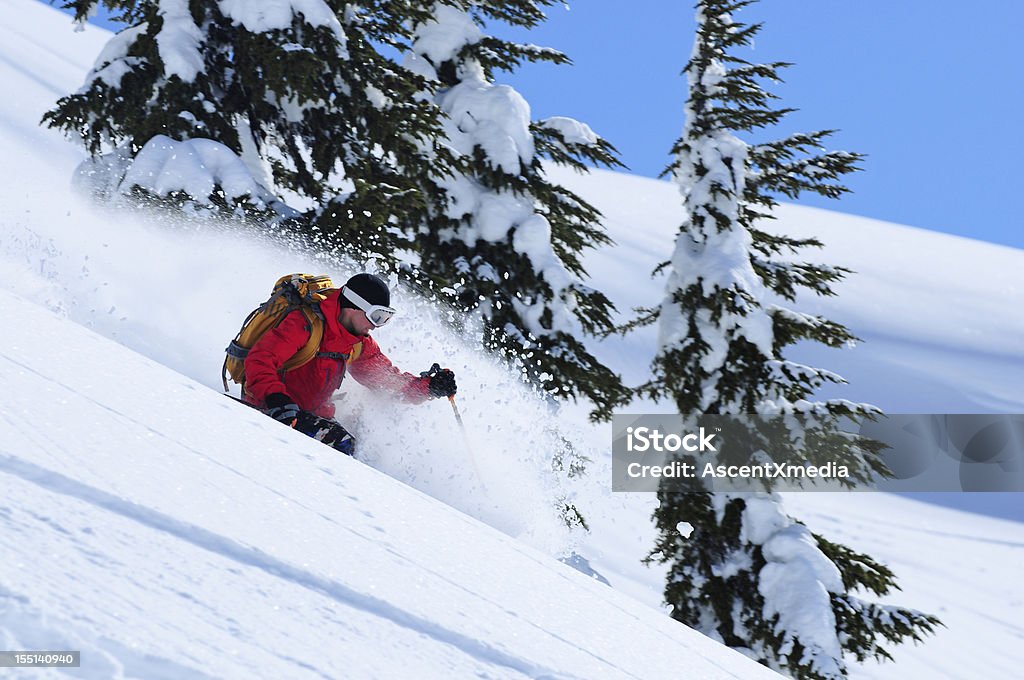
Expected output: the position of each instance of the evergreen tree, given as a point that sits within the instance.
(749, 575)
(500, 238)
(296, 90)
(248, 105)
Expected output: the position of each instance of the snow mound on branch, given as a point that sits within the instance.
(262, 16)
(113, 61)
(196, 167)
(179, 40)
(495, 118)
(572, 130)
(443, 38)
(795, 583)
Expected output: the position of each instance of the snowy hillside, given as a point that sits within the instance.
(919, 300)
(166, 531)
(169, 532)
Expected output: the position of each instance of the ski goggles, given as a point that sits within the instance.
(377, 314)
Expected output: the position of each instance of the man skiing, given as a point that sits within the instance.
(301, 397)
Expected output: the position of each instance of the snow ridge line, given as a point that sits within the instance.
(47, 50)
(35, 77)
(253, 557)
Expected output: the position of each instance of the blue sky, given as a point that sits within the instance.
(929, 89)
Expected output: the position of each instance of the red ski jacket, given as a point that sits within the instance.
(312, 385)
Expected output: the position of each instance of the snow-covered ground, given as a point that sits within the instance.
(169, 532)
(165, 531)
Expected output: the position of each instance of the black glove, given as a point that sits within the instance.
(442, 381)
(281, 408)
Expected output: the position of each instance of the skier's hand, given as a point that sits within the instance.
(442, 381)
(282, 409)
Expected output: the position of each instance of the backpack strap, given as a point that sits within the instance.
(337, 356)
(309, 350)
(236, 351)
(357, 349)
(352, 355)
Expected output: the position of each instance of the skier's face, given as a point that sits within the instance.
(355, 321)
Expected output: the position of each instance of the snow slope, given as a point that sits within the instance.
(42, 59)
(166, 531)
(169, 524)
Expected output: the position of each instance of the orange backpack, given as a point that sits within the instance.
(302, 292)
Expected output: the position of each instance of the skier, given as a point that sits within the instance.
(301, 398)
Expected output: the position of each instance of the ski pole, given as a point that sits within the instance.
(458, 416)
(434, 370)
(465, 440)
(465, 435)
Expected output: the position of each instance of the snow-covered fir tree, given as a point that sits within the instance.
(749, 575)
(502, 239)
(243, 103)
